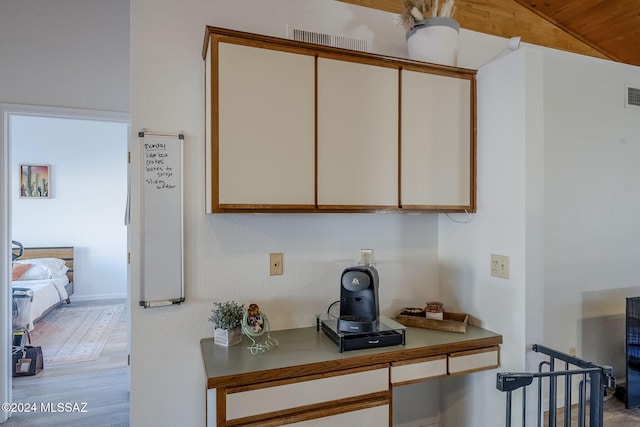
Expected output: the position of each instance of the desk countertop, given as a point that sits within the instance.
(306, 351)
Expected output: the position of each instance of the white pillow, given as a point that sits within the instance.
(36, 272)
(43, 268)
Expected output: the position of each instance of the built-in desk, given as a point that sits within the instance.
(307, 381)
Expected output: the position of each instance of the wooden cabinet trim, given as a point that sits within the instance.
(213, 145)
(474, 351)
(330, 52)
(474, 138)
(419, 360)
(249, 387)
(362, 208)
(399, 145)
(346, 363)
(310, 412)
(338, 209)
(419, 380)
(221, 406)
(439, 208)
(254, 207)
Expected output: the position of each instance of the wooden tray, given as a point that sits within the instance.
(451, 322)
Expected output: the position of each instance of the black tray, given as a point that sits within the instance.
(347, 341)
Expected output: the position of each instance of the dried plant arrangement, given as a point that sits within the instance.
(419, 10)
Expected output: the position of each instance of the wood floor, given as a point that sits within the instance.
(102, 384)
(615, 415)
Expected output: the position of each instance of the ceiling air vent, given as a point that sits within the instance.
(632, 97)
(327, 39)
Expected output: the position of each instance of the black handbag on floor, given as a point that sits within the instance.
(27, 360)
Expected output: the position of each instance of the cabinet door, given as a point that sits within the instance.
(266, 128)
(436, 147)
(357, 134)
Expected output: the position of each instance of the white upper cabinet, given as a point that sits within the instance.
(436, 149)
(301, 127)
(357, 134)
(266, 135)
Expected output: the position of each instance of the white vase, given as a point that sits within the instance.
(227, 337)
(434, 40)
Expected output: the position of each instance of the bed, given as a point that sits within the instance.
(48, 273)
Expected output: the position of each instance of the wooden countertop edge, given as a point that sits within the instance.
(351, 362)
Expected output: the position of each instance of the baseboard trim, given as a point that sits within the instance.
(98, 297)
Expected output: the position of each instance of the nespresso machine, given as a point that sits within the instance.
(359, 308)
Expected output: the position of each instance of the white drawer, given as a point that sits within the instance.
(474, 360)
(418, 370)
(303, 392)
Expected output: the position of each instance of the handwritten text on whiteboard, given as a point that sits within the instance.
(157, 163)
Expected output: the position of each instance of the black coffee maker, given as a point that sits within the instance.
(359, 309)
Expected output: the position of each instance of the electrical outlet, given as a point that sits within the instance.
(366, 256)
(275, 264)
(500, 266)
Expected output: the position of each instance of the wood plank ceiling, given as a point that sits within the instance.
(604, 29)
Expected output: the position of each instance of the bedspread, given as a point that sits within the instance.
(46, 294)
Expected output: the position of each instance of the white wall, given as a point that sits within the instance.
(499, 227)
(67, 53)
(88, 170)
(592, 183)
(557, 192)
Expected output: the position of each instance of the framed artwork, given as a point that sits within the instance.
(35, 181)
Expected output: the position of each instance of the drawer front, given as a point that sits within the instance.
(370, 417)
(474, 360)
(418, 370)
(305, 392)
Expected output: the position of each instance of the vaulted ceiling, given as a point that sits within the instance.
(604, 29)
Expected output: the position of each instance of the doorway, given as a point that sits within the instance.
(86, 154)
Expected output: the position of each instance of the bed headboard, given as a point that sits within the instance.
(63, 252)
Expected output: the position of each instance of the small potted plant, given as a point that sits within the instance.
(227, 318)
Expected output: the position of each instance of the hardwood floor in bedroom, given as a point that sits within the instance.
(103, 384)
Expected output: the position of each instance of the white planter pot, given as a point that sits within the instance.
(227, 337)
(434, 40)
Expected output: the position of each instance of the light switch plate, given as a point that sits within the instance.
(275, 264)
(500, 266)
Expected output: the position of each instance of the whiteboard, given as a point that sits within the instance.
(162, 217)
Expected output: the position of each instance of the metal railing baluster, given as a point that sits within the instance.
(596, 376)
